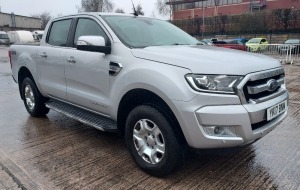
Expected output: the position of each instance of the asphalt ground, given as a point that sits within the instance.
(56, 152)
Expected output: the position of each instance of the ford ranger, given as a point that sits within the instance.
(151, 82)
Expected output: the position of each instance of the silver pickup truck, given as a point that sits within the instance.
(148, 80)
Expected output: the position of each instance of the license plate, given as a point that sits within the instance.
(276, 110)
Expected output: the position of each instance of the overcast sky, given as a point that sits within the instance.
(65, 7)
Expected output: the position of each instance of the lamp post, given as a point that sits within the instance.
(203, 20)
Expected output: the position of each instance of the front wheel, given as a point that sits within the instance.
(33, 100)
(152, 142)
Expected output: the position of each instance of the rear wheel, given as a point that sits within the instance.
(33, 100)
(152, 142)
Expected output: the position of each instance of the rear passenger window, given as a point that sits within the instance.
(59, 33)
(88, 27)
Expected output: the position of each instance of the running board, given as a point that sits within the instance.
(86, 117)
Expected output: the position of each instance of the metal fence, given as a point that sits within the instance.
(286, 53)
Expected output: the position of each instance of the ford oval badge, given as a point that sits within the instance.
(272, 85)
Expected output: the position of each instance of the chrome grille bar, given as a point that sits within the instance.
(266, 98)
(263, 87)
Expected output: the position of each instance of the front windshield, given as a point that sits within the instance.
(140, 32)
(3, 36)
(254, 41)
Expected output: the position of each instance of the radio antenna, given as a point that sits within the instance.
(135, 12)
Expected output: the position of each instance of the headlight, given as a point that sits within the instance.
(223, 84)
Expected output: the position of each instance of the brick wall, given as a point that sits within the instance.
(241, 8)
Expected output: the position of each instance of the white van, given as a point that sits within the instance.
(20, 36)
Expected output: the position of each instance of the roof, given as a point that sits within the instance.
(183, 2)
(258, 38)
(20, 15)
(100, 14)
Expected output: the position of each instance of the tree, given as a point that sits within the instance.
(163, 8)
(284, 16)
(45, 18)
(119, 10)
(97, 5)
(222, 23)
(139, 10)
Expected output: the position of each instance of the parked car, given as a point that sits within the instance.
(242, 40)
(151, 82)
(20, 36)
(210, 41)
(4, 39)
(233, 44)
(290, 46)
(257, 44)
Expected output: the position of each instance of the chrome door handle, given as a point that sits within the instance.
(71, 60)
(44, 55)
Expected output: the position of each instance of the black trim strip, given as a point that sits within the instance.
(101, 49)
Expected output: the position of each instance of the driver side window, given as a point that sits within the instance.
(88, 27)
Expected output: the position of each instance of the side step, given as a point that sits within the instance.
(86, 117)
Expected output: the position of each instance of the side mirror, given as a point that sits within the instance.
(93, 44)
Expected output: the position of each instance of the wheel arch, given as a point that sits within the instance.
(137, 97)
(22, 74)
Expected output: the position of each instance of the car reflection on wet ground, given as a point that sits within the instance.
(56, 152)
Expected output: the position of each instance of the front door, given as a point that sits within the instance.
(87, 73)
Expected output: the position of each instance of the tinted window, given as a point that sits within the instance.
(254, 40)
(3, 36)
(88, 27)
(59, 33)
(233, 42)
(263, 40)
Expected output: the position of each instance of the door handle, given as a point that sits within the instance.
(71, 60)
(44, 55)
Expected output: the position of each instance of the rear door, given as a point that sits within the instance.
(87, 75)
(52, 60)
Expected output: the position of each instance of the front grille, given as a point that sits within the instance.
(257, 89)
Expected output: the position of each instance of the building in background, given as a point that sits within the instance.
(184, 9)
(11, 22)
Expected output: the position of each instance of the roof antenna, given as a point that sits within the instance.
(135, 13)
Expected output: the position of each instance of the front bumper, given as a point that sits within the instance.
(223, 110)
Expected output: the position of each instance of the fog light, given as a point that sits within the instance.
(220, 131)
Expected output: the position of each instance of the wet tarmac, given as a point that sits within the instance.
(56, 152)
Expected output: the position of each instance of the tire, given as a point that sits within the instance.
(160, 151)
(258, 50)
(33, 100)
